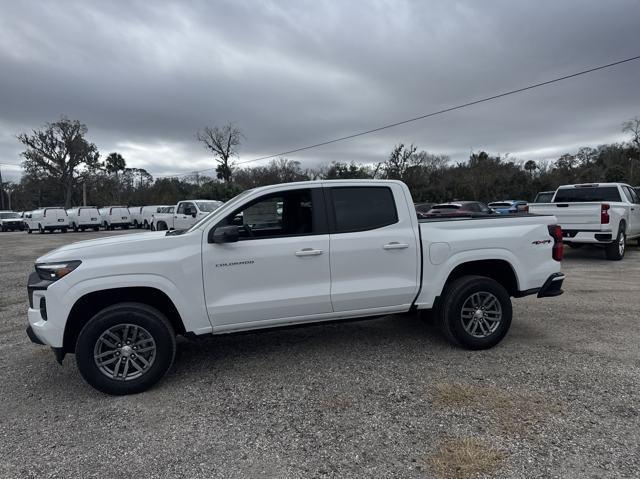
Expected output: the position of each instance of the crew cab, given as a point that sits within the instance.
(606, 214)
(290, 254)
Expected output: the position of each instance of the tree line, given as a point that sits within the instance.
(62, 167)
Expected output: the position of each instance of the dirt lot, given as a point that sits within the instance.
(382, 398)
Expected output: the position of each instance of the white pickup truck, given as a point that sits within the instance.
(188, 212)
(280, 255)
(606, 214)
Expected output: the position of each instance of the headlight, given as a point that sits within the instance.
(55, 271)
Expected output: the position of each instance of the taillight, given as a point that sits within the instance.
(604, 213)
(558, 247)
(525, 209)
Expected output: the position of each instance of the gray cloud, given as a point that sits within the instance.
(145, 76)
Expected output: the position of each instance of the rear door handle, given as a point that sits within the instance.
(309, 252)
(395, 245)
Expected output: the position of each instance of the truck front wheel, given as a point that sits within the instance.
(475, 312)
(125, 348)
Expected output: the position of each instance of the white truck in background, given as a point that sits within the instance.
(302, 253)
(113, 217)
(606, 214)
(47, 219)
(189, 212)
(84, 217)
(163, 218)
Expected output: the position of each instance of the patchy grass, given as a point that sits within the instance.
(466, 457)
(514, 412)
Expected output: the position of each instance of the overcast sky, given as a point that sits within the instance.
(145, 76)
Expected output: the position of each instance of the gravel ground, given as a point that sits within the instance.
(381, 398)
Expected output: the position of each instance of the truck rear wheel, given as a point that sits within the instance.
(475, 312)
(615, 250)
(125, 348)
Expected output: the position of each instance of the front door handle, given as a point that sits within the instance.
(395, 245)
(309, 252)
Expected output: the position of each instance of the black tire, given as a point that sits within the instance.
(575, 245)
(126, 227)
(137, 314)
(615, 250)
(74, 227)
(162, 226)
(145, 225)
(63, 230)
(96, 228)
(82, 229)
(29, 231)
(135, 224)
(40, 229)
(459, 293)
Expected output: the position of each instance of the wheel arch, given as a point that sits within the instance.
(499, 270)
(91, 303)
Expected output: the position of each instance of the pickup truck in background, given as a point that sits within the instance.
(296, 253)
(606, 214)
(163, 218)
(189, 212)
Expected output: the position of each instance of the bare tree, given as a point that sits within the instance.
(223, 142)
(633, 126)
(59, 151)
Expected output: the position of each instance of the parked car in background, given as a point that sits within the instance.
(605, 214)
(189, 212)
(544, 197)
(294, 253)
(509, 206)
(115, 217)
(459, 208)
(84, 217)
(135, 216)
(11, 221)
(163, 218)
(422, 209)
(147, 214)
(47, 219)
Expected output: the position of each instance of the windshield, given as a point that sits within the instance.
(6, 216)
(208, 206)
(544, 197)
(587, 194)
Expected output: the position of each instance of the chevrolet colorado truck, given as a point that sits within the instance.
(606, 214)
(295, 253)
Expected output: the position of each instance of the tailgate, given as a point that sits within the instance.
(570, 213)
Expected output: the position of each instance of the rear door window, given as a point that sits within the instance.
(362, 208)
(587, 194)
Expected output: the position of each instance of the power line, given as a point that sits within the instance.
(426, 115)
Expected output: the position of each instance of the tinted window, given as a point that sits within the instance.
(630, 194)
(183, 206)
(363, 208)
(286, 213)
(589, 193)
(544, 197)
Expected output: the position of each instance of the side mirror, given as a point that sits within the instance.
(194, 214)
(224, 234)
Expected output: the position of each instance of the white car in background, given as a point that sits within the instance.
(189, 212)
(115, 217)
(47, 219)
(163, 218)
(84, 217)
